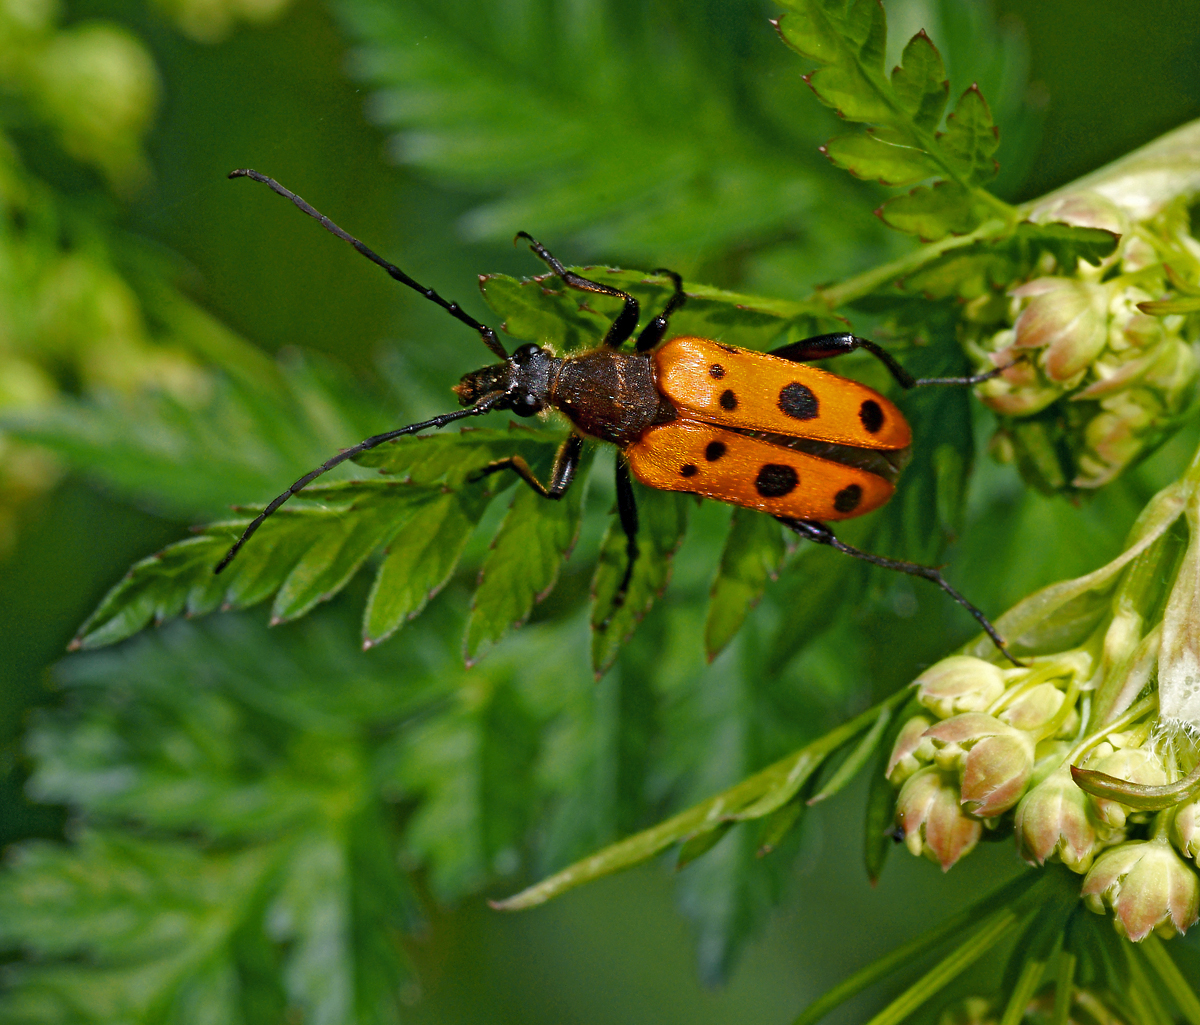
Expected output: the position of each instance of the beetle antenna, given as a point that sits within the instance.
(486, 333)
(482, 406)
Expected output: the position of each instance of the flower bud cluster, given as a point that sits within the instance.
(973, 752)
(1095, 377)
(992, 750)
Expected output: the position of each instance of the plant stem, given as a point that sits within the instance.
(870, 281)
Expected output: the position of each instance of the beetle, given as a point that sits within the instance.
(760, 430)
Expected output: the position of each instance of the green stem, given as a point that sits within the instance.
(870, 974)
(971, 950)
(1165, 968)
(872, 280)
(1064, 986)
(1027, 984)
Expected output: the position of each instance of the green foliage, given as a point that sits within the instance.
(903, 144)
(243, 800)
(619, 126)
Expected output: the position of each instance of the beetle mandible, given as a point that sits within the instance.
(761, 430)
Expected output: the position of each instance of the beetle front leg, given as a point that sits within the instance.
(840, 343)
(566, 462)
(820, 534)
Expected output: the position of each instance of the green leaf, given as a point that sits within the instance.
(971, 138)
(870, 155)
(306, 552)
(984, 267)
(903, 147)
(450, 458)
(248, 439)
(662, 520)
(919, 83)
(522, 567)
(753, 553)
(703, 842)
(676, 122)
(421, 559)
(856, 759)
(932, 212)
(754, 797)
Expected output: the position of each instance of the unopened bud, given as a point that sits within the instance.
(911, 750)
(995, 761)
(957, 684)
(1185, 830)
(1035, 708)
(930, 819)
(1053, 822)
(1133, 764)
(1147, 885)
(1065, 317)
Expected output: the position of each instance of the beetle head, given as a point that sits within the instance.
(524, 378)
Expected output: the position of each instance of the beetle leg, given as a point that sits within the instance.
(653, 332)
(627, 510)
(566, 462)
(839, 343)
(623, 326)
(820, 534)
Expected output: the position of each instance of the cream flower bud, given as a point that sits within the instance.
(995, 761)
(930, 820)
(1134, 764)
(1067, 318)
(957, 684)
(1185, 829)
(911, 750)
(1053, 822)
(1035, 708)
(1147, 885)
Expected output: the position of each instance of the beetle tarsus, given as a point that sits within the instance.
(820, 534)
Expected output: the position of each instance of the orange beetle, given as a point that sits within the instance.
(760, 430)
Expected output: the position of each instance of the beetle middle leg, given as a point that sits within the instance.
(566, 462)
(627, 511)
(840, 343)
(820, 534)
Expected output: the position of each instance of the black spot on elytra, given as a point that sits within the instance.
(848, 498)
(714, 450)
(871, 415)
(687, 470)
(728, 400)
(717, 371)
(798, 402)
(776, 480)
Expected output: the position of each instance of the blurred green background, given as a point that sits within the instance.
(298, 96)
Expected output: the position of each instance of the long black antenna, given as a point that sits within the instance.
(456, 311)
(480, 407)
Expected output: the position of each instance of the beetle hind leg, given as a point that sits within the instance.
(820, 534)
